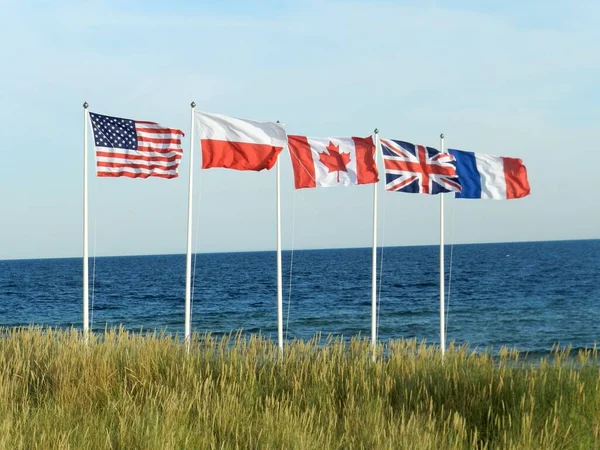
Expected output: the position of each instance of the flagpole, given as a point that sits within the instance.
(374, 259)
(279, 272)
(188, 264)
(442, 280)
(86, 293)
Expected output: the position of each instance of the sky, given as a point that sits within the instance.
(503, 78)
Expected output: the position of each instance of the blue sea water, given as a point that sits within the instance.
(530, 295)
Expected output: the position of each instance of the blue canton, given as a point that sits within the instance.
(114, 132)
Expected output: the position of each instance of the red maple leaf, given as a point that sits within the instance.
(335, 161)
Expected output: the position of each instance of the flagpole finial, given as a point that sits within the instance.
(441, 135)
(376, 131)
(85, 105)
(193, 104)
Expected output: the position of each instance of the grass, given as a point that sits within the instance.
(132, 391)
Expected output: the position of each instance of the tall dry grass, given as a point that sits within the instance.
(129, 391)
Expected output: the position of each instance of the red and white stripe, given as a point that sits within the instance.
(158, 154)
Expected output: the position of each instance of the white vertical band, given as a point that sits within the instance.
(491, 172)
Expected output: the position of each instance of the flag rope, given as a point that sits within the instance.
(95, 230)
(199, 196)
(94, 263)
(381, 265)
(287, 322)
(297, 195)
(450, 269)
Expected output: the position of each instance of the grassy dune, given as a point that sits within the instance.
(130, 391)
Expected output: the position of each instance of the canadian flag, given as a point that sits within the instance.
(325, 162)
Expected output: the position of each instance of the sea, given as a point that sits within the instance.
(532, 296)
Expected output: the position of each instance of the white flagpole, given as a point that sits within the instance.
(188, 265)
(374, 269)
(86, 293)
(442, 304)
(279, 280)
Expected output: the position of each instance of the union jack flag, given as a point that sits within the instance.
(417, 169)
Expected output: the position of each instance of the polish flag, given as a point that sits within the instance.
(325, 162)
(238, 143)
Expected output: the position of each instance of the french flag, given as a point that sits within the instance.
(490, 177)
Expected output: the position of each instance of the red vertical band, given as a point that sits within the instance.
(515, 174)
(366, 170)
(302, 162)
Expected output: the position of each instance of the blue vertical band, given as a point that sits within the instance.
(468, 175)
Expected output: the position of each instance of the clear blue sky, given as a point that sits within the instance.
(506, 79)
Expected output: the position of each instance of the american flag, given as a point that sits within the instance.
(418, 169)
(135, 149)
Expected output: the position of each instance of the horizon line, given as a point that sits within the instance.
(300, 249)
